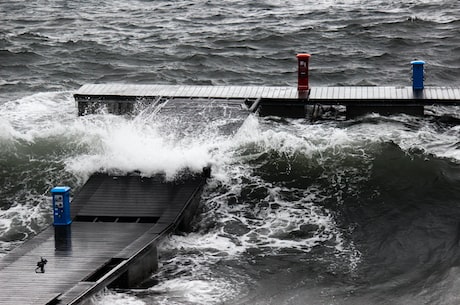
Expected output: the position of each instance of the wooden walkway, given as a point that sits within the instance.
(321, 95)
(112, 240)
(89, 247)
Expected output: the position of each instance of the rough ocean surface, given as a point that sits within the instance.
(363, 211)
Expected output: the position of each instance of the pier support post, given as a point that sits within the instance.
(417, 74)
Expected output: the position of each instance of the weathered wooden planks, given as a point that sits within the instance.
(88, 247)
(117, 222)
(336, 95)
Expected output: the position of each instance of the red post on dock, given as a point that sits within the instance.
(302, 84)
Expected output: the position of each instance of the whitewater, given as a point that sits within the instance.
(336, 211)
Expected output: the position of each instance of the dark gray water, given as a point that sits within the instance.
(333, 212)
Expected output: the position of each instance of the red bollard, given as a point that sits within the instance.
(302, 84)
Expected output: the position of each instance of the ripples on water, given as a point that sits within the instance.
(55, 45)
(341, 212)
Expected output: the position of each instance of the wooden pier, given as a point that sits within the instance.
(117, 223)
(282, 101)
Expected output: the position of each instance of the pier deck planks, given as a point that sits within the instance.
(321, 95)
(90, 246)
(76, 252)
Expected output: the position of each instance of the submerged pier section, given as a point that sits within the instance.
(117, 223)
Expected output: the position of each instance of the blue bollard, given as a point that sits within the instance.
(417, 74)
(61, 205)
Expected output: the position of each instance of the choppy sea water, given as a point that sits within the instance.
(362, 211)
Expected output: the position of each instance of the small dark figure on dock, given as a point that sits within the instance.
(41, 265)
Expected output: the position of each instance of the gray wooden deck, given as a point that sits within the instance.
(117, 223)
(89, 247)
(345, 94)
(321, 95)
(179, 91)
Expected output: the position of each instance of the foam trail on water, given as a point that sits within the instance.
(203, 291)
(39, 115)
(23, 219)
(109, 298)
(7, 132)
(431, 135)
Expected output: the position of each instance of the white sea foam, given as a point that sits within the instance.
(105, 142)
(5, 222)
(38, 116)
(419, 135)
(110, 298)
(117, 143)
(7, 132)
(268, 225)
(184, 278)
(192, 291)
(25, 217)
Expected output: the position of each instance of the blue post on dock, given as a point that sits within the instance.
(417, 74)
(61, 205)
